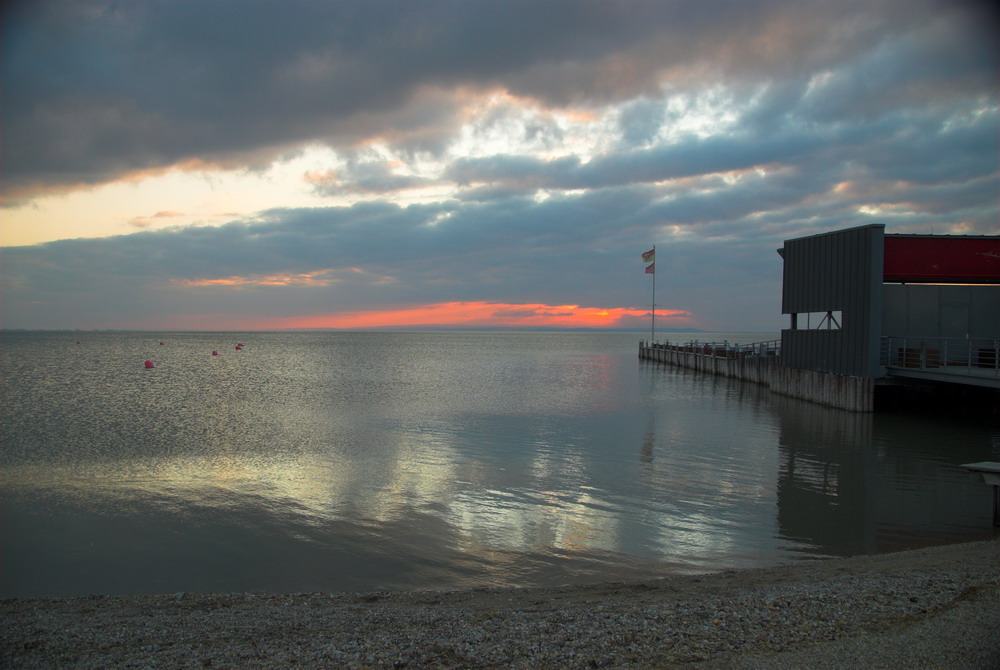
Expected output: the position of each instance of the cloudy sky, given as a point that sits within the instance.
(241, 164)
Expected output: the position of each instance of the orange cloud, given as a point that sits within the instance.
(480, 315)
(323, 277)
(320, 177)
(147, 221)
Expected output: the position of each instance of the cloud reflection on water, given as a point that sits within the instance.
(422, 466)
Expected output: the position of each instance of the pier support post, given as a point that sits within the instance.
(989, 472)
(855, 394)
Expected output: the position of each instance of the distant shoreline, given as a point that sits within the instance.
(385, 329)
(931, 607)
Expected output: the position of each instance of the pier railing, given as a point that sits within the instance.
(751, 362)
(724, 349)
(941, 356)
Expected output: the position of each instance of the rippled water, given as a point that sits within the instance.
(359, 461)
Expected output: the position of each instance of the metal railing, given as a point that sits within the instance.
(951, 355)
(724, 349)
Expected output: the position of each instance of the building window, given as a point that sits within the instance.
(831, 320)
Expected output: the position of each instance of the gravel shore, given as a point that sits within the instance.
(937, 607)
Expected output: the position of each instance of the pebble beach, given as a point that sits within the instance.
(937, 607)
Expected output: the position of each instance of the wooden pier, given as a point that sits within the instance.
(760, 363)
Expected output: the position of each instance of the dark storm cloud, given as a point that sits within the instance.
(95, 90)
(364, 177)
(640, 121)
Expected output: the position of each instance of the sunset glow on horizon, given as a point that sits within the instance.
(460, 315)
(474, 315)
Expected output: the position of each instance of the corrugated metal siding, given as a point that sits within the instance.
(917, 310)
(839, 271)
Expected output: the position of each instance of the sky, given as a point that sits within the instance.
(236, 165)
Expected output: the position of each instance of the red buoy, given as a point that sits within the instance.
(149, 364)
(215, 352)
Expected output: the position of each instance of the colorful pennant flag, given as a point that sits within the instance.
(648, 256)
(651, 269)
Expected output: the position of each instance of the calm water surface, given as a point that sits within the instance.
(359, 461)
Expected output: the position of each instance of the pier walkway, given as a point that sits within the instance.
(970, 361)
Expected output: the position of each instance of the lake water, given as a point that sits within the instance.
(361, 461)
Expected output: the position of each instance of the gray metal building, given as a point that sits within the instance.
(869, 310)
(832, 290)
(862, 303)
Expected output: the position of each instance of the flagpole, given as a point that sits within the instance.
(652, 319)
(650, 257)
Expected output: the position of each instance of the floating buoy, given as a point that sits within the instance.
(215, 352)
(239, 347)
(149, 364)
(161, 343)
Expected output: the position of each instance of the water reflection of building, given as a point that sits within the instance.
(852, 483)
